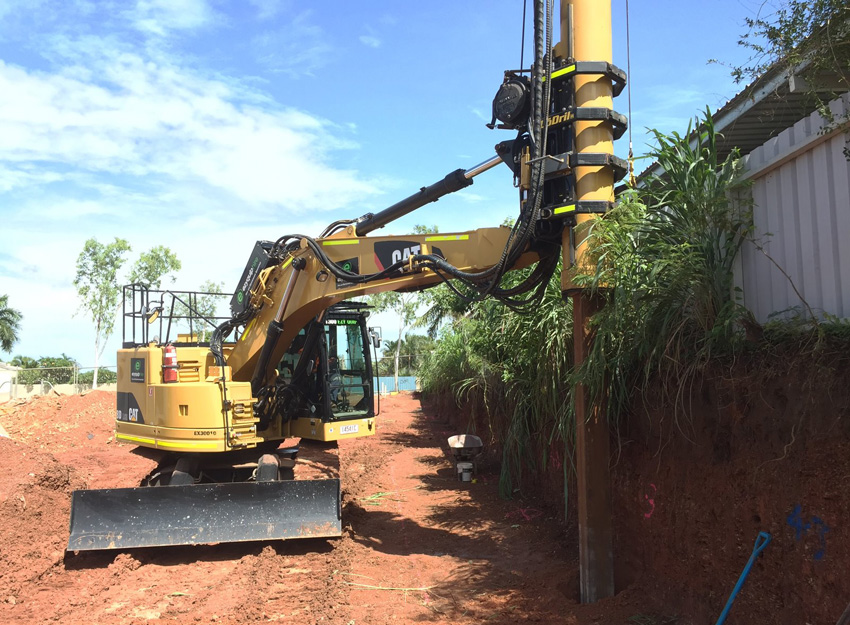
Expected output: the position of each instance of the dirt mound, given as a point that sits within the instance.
(35, 493)
(61, 422)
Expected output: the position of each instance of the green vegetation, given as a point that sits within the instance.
(665, 269)
(104, 376)
(413, 352)
(808, 39)
(98, 286)
(56, 370)
(662, 261)
(10, 324)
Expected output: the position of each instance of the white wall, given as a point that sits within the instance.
(801, 195)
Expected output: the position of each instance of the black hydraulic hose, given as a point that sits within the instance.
(275, 329)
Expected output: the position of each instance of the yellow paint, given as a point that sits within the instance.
(135, 439)
(317, 430)
(341, 242)
(247, 329)
(189, 444)
(449, 237)
(563, 71)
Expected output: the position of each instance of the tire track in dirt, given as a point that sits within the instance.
(427, 548)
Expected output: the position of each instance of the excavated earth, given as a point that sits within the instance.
(418, 545)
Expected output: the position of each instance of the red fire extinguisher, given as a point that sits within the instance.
(169, 364)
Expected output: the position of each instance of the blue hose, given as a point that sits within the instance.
(761, 542)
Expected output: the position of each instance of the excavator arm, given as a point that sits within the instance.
(211, 408)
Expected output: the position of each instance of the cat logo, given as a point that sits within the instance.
(390, 252)
(405, 253)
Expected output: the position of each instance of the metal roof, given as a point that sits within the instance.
(770, 104)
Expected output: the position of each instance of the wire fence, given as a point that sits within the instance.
(408, 364)
(29, 381)
(25, 382)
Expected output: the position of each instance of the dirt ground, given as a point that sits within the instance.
(753, 453)
(418, 546)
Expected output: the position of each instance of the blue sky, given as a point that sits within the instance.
(204, 125)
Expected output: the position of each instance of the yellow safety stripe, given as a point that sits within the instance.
(247, 329)
(195, 444)
(341, 242)
(449, 237)
(570, 208)
(564, 70)
(135, 439)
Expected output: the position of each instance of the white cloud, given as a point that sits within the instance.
(297, 49)
(117, 131)
(480, 114)
(267, 9)
(370, 41)
(139, 117)
(157, 17)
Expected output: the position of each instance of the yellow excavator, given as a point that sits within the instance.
(292, 360)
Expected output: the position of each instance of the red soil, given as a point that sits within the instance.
(418, 545)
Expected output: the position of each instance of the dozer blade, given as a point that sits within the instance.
(123, 518)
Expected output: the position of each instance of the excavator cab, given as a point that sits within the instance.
(348, 364)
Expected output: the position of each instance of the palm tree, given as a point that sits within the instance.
(10, 323)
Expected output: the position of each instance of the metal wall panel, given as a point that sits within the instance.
(801, 196)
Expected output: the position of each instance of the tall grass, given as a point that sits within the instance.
(663, 261)
(665, 267)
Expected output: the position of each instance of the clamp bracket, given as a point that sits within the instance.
(602, 68)
(618, 121)
(567, 162)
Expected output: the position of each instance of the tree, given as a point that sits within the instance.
(414, 348)
(202, 308)
(53, 369)
(104, 376)
(10, 323)
(97, 284)
(404, 305)
(809, 37)
(153, 265)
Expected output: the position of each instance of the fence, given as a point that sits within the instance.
(408, 364)
(801, 192)
(32, 381)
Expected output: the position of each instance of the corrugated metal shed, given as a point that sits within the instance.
(801, 196)
(762, 110)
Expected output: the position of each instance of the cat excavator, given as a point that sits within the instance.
(215, 403)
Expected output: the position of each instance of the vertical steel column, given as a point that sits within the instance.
(586, 36)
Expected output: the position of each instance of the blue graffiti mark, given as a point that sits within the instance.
(795, 520)
(820, 553)
(801, 528)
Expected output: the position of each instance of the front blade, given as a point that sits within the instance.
(123, 518)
